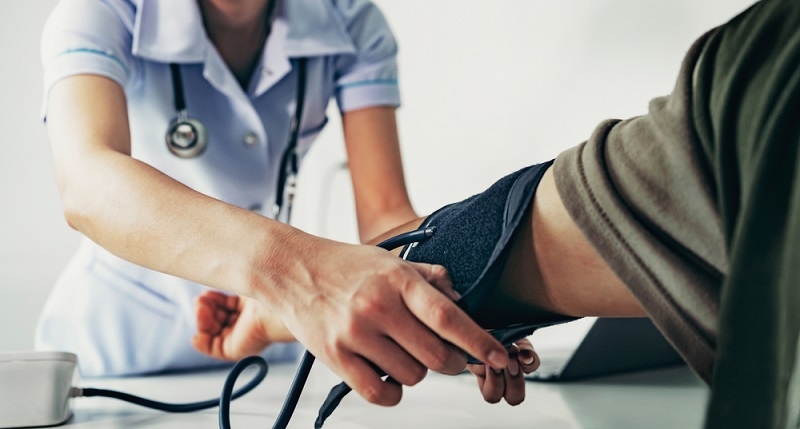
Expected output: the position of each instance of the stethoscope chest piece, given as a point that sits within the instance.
(186, 136)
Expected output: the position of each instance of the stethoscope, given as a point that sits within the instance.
(187, 137)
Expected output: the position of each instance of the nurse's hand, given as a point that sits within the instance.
(509, 383)
(231, 327)
(353, 306)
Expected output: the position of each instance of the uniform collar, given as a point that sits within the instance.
(169, 30)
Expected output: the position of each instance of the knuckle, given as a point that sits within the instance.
(416, 374)
(393, 272)
(352, 328)
(439, 271)
(439, 358)
(332, 348)
(366, 304)
(443, 313)
(327, 352)
(371, 395)
(374, 394)
(400, 276)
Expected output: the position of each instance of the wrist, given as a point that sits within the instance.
(278, 263)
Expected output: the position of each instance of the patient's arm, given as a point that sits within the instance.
(508, 384)
(553, 267)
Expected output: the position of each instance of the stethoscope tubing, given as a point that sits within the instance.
(287, 172)
(288, 167)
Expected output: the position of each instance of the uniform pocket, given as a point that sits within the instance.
(115, 323)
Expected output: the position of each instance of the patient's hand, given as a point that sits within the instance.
(232, 327)
(508, 384)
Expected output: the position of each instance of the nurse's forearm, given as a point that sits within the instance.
(143, 216)
(376, 168)
(137, 212)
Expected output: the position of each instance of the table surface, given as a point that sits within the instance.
(665, 398)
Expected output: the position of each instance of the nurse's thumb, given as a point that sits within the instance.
(438, 277)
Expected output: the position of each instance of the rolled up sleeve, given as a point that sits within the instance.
(368, 78)
(85, 37)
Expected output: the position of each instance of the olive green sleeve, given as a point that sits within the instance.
(646, 202)
(696, 207)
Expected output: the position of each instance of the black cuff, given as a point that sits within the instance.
(472, 242)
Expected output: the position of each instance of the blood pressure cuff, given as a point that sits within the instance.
(473, 237)
(473, 241)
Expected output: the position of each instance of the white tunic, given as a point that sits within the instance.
(121, 318)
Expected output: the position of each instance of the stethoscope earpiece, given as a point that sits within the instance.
(186, 136)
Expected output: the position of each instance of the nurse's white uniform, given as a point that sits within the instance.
(121, 318)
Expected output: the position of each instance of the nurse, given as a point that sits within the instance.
(167, 217)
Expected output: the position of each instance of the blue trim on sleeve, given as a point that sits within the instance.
(96, 52)
(368, 82)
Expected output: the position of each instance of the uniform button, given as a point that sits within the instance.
(250, 139)
(268, 72)
(255, 208)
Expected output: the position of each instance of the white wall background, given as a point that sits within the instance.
(487, 86)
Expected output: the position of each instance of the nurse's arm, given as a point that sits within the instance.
(373, 153)
(349, 304)
(132, 209)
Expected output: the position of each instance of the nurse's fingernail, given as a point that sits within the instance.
(513, 368)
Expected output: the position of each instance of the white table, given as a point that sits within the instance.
(667, 398)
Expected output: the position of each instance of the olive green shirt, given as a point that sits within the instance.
(696, 207)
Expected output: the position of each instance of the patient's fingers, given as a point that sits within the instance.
(210, 317)
(214, 311)
(219, 300)
(509, 383)
(495, 385)
(491, 382)
(527, 357)
(514, 392)
(206, 320)
(514, 387)
(209, 343)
